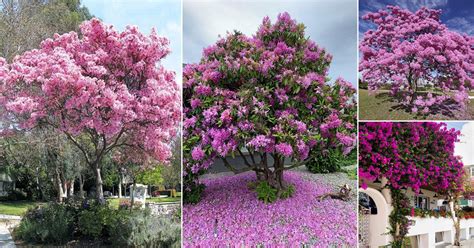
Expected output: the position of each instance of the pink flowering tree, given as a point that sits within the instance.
(102, 88)
(409, 155)
(265, 98)
(408, 50)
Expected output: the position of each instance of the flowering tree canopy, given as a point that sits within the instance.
(104, 89)
(412, 154)
(407, 50)
(266, 95)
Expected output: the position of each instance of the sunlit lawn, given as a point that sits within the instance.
(382, 107)
(16, 207)
(114, 202)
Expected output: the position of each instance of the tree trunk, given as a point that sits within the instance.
(274, 176)
(71, 189)
(59, 186)
(132, 195)
(65, 188)
(120, 186)
(456, 221)
(99, 192)
(81, 186)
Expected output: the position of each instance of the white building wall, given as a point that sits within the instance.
(424, 229)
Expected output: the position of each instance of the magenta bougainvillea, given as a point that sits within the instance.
(104, 89)
(266, 95)
(408, 50)
(230, 215)
(410, 154)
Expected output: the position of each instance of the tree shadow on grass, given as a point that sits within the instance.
(448, 108)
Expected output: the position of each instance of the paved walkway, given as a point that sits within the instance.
(7, 221)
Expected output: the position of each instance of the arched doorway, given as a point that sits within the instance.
(373, 218)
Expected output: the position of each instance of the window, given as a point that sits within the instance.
(439, 237)
(422, 202)
(471, 169)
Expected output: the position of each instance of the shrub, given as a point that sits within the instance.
(51, 224)
(290, 190)
(93, 222)
(126, 204)
(140, 229)
(325, 163)
(193, 192)
(265, 192)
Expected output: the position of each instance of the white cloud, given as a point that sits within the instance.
(462, 24)
(331, 24)
(414, 5)
(465, 147)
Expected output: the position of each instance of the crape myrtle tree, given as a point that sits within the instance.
(266, 96)
(409, 155)
(102, 88)
(408, 50)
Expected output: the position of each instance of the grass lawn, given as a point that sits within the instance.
(16, 207)
(382, 107)
(114, 202)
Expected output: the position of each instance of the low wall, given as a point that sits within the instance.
(160, 209)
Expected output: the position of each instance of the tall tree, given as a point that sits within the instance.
(266, 96)
(25, 23)
(103, 90)
(409, 49)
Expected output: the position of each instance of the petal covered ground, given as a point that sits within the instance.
(230, 214)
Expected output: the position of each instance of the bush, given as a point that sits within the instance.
(126, 204)
(140, 229)
(332, 161)
(51, 224)
(59, 223)
(265, 192)
(288, 192)
(14, 195)
(192, 194)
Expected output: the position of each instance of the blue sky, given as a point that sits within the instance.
(456, 14)
(456, 125)
(330, 23)
(163, 15)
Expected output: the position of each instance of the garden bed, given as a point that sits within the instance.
(230, 214)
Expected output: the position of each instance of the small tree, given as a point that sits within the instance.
(266, 96)
(103, 90)
(412, 155)
(409, 49)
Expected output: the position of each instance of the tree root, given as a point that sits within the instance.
(343, 194)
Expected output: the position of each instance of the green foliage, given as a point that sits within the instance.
(192, 194)
(266, 192)
(90, 224)
(398, 218)
(59, 223)
(352, 173)
(51, 224)
(30, 22)
(140, 229)
(93, 222)
(331, 161)
(151, 177)
(288, 192)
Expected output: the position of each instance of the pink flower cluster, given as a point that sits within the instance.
(229, 215)
(409, 50)
(103, 83)
(265, 93)
(412, 154)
